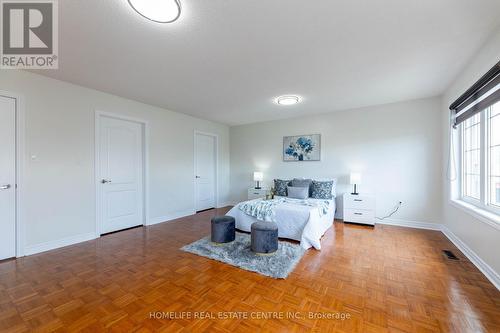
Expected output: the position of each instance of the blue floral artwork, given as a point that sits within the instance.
(302, 148)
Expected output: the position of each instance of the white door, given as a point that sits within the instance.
(205, 171)
(120, 174)
(7, 177)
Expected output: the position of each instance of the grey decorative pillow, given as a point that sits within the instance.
(280, 186)
(322, 190)
(297, 182)
(298, 192)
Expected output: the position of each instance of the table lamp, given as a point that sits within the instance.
(258, 177)
(355, 180)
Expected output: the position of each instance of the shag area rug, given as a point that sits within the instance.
(239, 254)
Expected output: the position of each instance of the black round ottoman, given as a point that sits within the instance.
(264, 237)
(223, 229)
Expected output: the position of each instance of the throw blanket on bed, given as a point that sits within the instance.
(264, 210)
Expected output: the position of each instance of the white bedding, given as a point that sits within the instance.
(302, 223)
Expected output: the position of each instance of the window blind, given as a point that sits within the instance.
(484, 93)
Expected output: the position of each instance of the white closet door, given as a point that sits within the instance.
(205, 171)
(7, 177)
(121, 174)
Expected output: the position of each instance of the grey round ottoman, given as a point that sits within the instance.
(264, 237)
(223, 229)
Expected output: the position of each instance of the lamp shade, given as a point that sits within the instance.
(258, 176)
(355, 178)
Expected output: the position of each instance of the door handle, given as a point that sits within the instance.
(198, 177)
(104, 181)
(5, 187)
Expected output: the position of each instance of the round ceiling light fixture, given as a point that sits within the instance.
(288, 100)
(161, 11)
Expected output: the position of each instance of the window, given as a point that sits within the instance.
(471, 157)
(494, 155)
(476, 113)
(480, 152)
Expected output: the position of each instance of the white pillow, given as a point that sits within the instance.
(298, 192)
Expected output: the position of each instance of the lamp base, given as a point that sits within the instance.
(355, 191)
(258, 188)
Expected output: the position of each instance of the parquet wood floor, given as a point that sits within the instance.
(388, 279)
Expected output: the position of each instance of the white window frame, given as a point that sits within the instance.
(493, 208)
(485, 191)
(468, 199)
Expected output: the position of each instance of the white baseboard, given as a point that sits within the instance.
(226, 204)
(489, 272)
(176, 215)
(51, 245)
(410, 224)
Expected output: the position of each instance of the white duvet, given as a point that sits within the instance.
(302, 223)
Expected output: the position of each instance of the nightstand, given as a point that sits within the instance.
(254, 193)
(359, 208)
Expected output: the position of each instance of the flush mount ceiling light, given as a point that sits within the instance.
(161, 11)
(288, 100)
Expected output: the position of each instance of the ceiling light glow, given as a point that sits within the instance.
(161, 11)
(288, 100)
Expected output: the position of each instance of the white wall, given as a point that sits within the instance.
(482, 238)
(59, 200)
(397, 147)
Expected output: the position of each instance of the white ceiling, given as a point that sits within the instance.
(225, 60)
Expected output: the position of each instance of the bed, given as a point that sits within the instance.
(303, 220)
